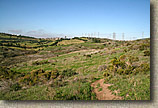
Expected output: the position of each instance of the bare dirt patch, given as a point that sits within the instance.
(102, 91)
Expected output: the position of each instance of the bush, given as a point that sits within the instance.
(144, 46)
(117, 63)
(133, 59)
(125, 50)
(26, 79)
(122, 57)
(120, 71)
(88, 55)
(96, 40)
(119, 67)
(36, 72)
(6, 73)
(54, 74)
(40, 62)
(68, 72)
(47, 74)
(76, 92)
(79, 39)
(106, 74)
(128, 70)
(145, 67)
(39, 76)
(15, 87)
(147, 53)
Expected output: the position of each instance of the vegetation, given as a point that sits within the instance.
(64, 69)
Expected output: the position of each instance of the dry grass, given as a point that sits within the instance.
(72, 41)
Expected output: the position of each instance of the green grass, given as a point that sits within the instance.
(32, 93)
(98, 85)
(100, 89)
(133, 87)
(70, 86)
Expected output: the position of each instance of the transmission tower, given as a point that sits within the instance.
(98, 34)
(142, 34)
(114, 35)
(88, 34)
(85, 34)
(94, 34)
(91, 34)
(123, 36)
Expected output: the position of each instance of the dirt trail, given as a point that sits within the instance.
(35, 57)
(105, 93)
(86, 50)
(89, 51)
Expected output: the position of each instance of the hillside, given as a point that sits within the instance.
(73, 69)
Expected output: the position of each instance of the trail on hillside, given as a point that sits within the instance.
(104, 93)
(41, 57)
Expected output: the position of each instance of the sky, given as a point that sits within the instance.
(47, 18)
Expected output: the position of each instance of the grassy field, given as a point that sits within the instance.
(64, 69)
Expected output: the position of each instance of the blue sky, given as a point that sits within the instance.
(47, 17)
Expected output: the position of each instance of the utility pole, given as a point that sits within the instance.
(91, 34)
(98, 34)
(142, 34)
(88, 35)
(122, 36)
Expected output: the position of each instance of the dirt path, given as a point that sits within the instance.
(102, 91)
(81, 51)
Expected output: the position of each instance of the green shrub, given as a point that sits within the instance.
(6, 73)
(40, 62)
(125, 50)
(119, 67)
(128, 43)
(145, 67)
(106, 74)
(133, 59)
(116, 62)
(147, 53)
(25, 79)
(120, 71)
(96, 40)
(128, 70)
(15, 87)
(54, 74)
(75, 92)
(39, 76)
(47, 74)
(122, 57)
(68, 72)
(144, 46)
(88, 55)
